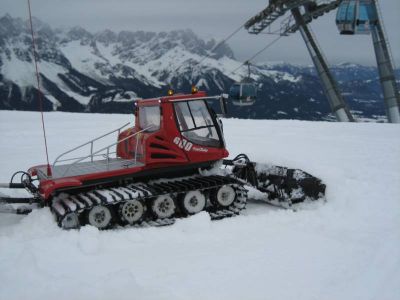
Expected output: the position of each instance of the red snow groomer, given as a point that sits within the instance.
(167, 165)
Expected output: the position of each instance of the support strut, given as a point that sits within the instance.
(329, 84)
(386, 71)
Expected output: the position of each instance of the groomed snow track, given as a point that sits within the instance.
(81, 203)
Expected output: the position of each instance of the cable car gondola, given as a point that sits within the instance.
(356, 17)
(243, 93)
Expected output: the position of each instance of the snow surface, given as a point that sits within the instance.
(347, 248)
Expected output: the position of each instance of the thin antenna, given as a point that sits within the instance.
(38, 88)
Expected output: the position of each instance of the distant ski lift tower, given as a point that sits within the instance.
(302, 13)
(363, 17)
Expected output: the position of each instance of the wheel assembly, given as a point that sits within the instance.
(224, 196)
(132, 211)
(70, 221)
(152, 180)
(100, 217)
(163, 207)
(193, 202)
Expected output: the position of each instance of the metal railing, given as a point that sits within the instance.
(91, 143)
(103, 152)
(107, 149)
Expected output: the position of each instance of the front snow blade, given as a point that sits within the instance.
(17, 205)
(16, 200)
(21, 210)
(282, 186)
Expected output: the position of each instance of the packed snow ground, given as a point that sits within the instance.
(347, 248)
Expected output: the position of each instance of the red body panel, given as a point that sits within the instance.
(48, 187)
(163, 148)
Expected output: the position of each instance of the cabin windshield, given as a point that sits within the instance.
(196, 123)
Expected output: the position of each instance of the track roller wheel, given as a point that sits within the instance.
(70, 221)
(132, 211)
(193, 202)
(223, 196)
(163, 206)
(99, 216)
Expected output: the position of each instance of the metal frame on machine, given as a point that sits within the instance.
(79, 167)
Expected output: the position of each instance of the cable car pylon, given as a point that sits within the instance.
(299, 21)
(329, 84)
(364, 17)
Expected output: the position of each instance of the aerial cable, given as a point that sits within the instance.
(220, 43)
(216, 47)
(40, 97)
(247, 61)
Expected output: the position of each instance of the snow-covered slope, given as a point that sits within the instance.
(347, 248)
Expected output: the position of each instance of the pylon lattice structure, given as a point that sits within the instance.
(301, 13)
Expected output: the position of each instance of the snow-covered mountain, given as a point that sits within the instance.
(106, 71)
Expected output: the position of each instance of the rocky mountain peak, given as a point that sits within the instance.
(10, 26)
(106, 37)
(106, 71)
(125, 41)
(79, 33)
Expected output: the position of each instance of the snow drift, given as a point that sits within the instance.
(347, 248)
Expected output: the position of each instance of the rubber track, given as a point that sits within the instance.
(79, 203)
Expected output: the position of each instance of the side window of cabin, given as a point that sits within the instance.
(149, 118)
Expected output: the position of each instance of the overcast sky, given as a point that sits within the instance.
(211, 18)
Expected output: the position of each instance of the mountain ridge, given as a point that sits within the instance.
(106, 71)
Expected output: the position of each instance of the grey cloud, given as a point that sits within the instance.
(210, 19)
